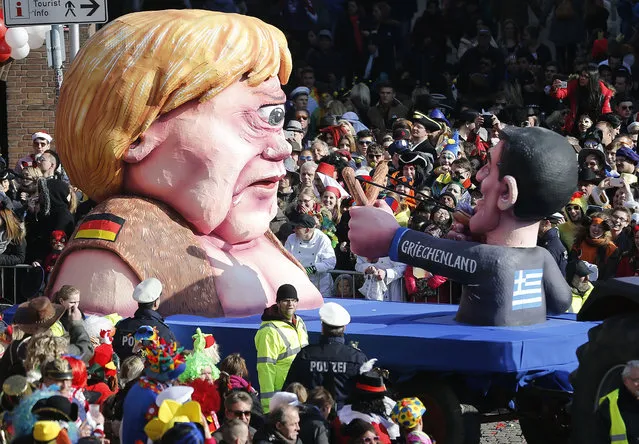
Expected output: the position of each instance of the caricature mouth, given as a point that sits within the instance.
(268, 182)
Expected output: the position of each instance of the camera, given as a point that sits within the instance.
(488, 120)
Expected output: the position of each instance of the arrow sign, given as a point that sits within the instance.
(93, 5)
(53, 12)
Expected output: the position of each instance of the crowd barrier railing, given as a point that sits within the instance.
(5, 283)
(446, 293)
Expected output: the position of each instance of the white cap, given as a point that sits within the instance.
(334, 315)
(633, 127)
(177, 393)
(41, 135)
(147, 291)
(281, 399)
(300, 90)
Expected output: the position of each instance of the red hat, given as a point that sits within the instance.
(344, 153)
(326, 169)
(210, 341)
(333, 190)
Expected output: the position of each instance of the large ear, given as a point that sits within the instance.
(147, 142)
(508, 193)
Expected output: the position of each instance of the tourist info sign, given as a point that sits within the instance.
(53, 12)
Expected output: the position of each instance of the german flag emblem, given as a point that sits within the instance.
(104, 226)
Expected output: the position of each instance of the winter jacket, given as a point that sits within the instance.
(331, 364)
(551, 242)
(14, 254)
(314, 429)
(570, 93)
(123, 339)
(277, 342)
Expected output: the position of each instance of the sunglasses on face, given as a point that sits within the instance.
(241, 413)
(458, 174)
(302, 118)
(375, 156)
(365, 142)
(305, 157)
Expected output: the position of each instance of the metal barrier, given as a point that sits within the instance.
(335, 273)
(445, 294)
(3, 280)
(354, 275)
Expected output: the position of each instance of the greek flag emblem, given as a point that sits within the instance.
(527, 289)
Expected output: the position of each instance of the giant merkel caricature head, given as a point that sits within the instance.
(184, 107)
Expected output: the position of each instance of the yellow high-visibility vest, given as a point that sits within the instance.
(617, 426)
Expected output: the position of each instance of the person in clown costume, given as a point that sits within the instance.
(201, 373)
(407, 414)
(164, 363)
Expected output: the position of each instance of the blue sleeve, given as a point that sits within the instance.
(464, 262)
(394, 248)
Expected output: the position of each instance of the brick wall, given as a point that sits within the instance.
(31, 98)
(30, 102)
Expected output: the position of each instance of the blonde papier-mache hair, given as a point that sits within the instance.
(144, 65)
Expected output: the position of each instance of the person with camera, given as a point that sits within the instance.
(586, 94)
(41, 142)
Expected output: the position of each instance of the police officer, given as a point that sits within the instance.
(331, 364)
(147, 295)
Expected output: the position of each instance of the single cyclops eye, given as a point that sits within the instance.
(272, 114)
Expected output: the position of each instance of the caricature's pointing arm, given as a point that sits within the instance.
(375, 233)
(458, 260)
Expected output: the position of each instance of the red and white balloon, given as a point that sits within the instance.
(16, 43)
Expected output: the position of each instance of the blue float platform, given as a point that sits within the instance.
(409, 338)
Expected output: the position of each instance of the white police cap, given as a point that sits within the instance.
(147, 291)
(280, 399)
(334, 315)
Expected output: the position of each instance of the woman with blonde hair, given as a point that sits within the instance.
(347, 142)
(13, 243)
(360, 99)
(347, 126)
(42, 348)
(28, 189)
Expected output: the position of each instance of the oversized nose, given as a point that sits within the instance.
(278, 149)
(481, 174)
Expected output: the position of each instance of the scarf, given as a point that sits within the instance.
(601, 242)
(282, 438)
(3, 241)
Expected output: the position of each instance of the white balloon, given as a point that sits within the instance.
(20, 53)
(42, 30)
(16, 37)
(35, 41)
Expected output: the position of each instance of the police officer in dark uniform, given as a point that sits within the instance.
(147, 295)
(549, 239)
(331, 364)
